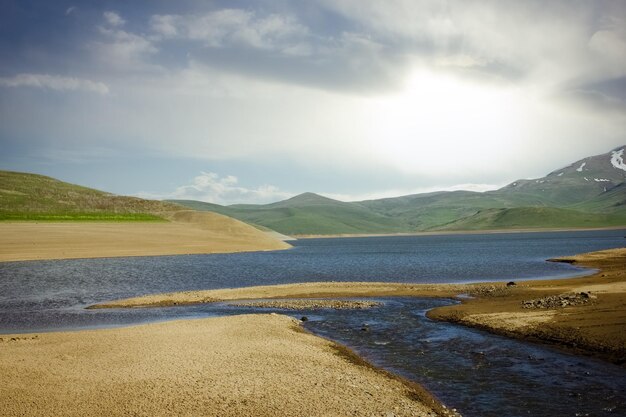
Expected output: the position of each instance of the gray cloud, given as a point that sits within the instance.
(113, 19)
(435, 93)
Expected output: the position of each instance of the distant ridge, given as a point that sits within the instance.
(590, 192)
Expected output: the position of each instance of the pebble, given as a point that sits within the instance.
(561, 300)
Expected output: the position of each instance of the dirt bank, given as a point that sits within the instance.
(586, 314)
(187, 232)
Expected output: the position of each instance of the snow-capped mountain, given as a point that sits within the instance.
(581, 180)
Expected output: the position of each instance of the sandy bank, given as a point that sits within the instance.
(187, 232)
(596, 326)
(305, 290)
(249, 365)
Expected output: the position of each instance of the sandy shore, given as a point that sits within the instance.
(248, 365)
(596, 327)
(187, 232)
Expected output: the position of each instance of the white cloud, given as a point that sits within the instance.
(212, 188)
(70, 10)
(123, 50)
(233, 27)
(54, 82)
(550, 43)
(113, 19)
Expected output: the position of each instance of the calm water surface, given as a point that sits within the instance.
(478, 373)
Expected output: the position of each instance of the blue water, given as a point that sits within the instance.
(478, 373)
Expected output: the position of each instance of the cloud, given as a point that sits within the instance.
(233, 27)
(113, 19)
(70, 10)
(123, 50)
(553, 44)
(54, 82)
(212, 188)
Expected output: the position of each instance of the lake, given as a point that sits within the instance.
(478, 373)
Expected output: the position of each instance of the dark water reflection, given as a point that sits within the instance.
(478, 373)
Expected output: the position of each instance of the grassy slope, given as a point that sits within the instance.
(426, 211)
(308, 214)
(36, 197)
(459, 210)
(533, 217)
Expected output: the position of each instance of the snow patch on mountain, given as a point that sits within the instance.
(617, 159)
(580, 168)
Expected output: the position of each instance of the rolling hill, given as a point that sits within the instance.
(26, 196)
(590, 192)
(308, 213)
(78, 222)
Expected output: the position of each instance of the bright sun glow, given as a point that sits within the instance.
(438, 117)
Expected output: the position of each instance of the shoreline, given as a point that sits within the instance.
(594, 328)
(461, 232)
(264, 364)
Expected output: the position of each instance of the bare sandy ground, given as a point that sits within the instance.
(248, 365)
(188, 232)
(305, 290)
(597, 327)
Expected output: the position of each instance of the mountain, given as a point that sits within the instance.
(586, 179)
(25, 196)
(590, 192)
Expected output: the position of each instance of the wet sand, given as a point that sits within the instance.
(247, 365)
(187, 232)
(597, 327)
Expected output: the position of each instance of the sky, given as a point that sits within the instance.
(257, 101)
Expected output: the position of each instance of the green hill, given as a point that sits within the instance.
(308, 213)
(36, 197)
(590, 192)
(533, 217)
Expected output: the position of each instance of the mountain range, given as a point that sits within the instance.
(590, 192)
